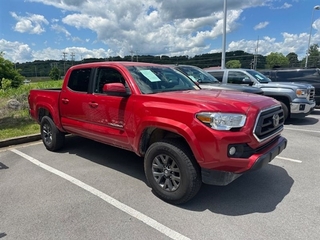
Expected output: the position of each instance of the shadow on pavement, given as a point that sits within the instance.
(118, 159)
(309, 120)
(259, 191)
(2, 166)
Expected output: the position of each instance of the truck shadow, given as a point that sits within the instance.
(118, 159)
(259, 191)
(309, 120)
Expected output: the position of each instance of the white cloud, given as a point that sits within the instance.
(32, 23)
(155, 27)
(284, 6)
(177, 27)
(60, 29)
(261, 25)
(16, 51)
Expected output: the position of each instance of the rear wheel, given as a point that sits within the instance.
(172, 171)
(52, 137)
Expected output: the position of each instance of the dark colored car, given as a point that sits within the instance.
(310, 75)
(207, 81)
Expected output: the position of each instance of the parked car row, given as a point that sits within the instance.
(297, 99)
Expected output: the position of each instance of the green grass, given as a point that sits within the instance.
(16, 127)
(15, 123)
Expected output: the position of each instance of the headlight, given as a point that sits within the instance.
(302, 93)
(222, 121)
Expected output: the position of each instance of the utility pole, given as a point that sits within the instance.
(72, 58)
(255, 60)
(64, 62)
(132, 52)
(223, 55)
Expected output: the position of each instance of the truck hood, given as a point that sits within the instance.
(226, 86)
(289, 85)
(213, 100)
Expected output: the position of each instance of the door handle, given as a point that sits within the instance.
(93, 104)
(65, 100)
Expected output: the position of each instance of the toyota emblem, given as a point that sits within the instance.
(275, 120)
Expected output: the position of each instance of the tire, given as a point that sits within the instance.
(51, 136)
(285, 111)
(172, 171)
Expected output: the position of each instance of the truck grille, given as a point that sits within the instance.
(311, 93)
(269, 123)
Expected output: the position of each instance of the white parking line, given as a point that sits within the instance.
(314, 116)
(289, 159)
(301, 130)
(121, 206)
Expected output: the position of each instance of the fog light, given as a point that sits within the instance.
(232, 151)
(302, 107)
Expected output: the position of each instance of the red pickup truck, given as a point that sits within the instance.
(186, 135)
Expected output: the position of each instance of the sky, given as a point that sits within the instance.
(77, 29)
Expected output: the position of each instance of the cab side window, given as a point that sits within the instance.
(79, 80)
(236, 77)
(217, 75)
(107, 75)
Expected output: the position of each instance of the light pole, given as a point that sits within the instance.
(317, 7)
(223, 55)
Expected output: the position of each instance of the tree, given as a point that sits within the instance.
(8, 71)
(275, 59)
(233, 64)
(313, 59)
(293, 59)
(55, 74)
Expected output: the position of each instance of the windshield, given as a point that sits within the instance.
(154, 79)
(197, 74)
(259, 76)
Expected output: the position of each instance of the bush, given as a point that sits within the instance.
(8, 71)
(55, 74)
(5, 83)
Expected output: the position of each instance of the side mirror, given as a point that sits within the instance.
(115, 89)
(247, 80)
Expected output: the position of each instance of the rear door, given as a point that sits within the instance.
(74, 101)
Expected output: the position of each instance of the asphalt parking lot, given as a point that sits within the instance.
(93, 191)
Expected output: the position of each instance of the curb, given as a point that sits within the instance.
(19, 140)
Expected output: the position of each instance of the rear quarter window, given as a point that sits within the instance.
(79, 80)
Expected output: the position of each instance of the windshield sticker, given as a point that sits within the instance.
(192, 77)
(258, 76)
(150, 75)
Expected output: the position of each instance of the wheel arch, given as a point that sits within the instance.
(151, 135)
(48, 111)
(285, 101)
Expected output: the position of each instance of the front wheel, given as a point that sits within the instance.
(172, 171)
(285, 111)
(51, 136)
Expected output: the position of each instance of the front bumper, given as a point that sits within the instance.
(300, 110)
(222, 178)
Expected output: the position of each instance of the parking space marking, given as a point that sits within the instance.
(314, 116)
(302, 130)
(290, 159)
(112, 201)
